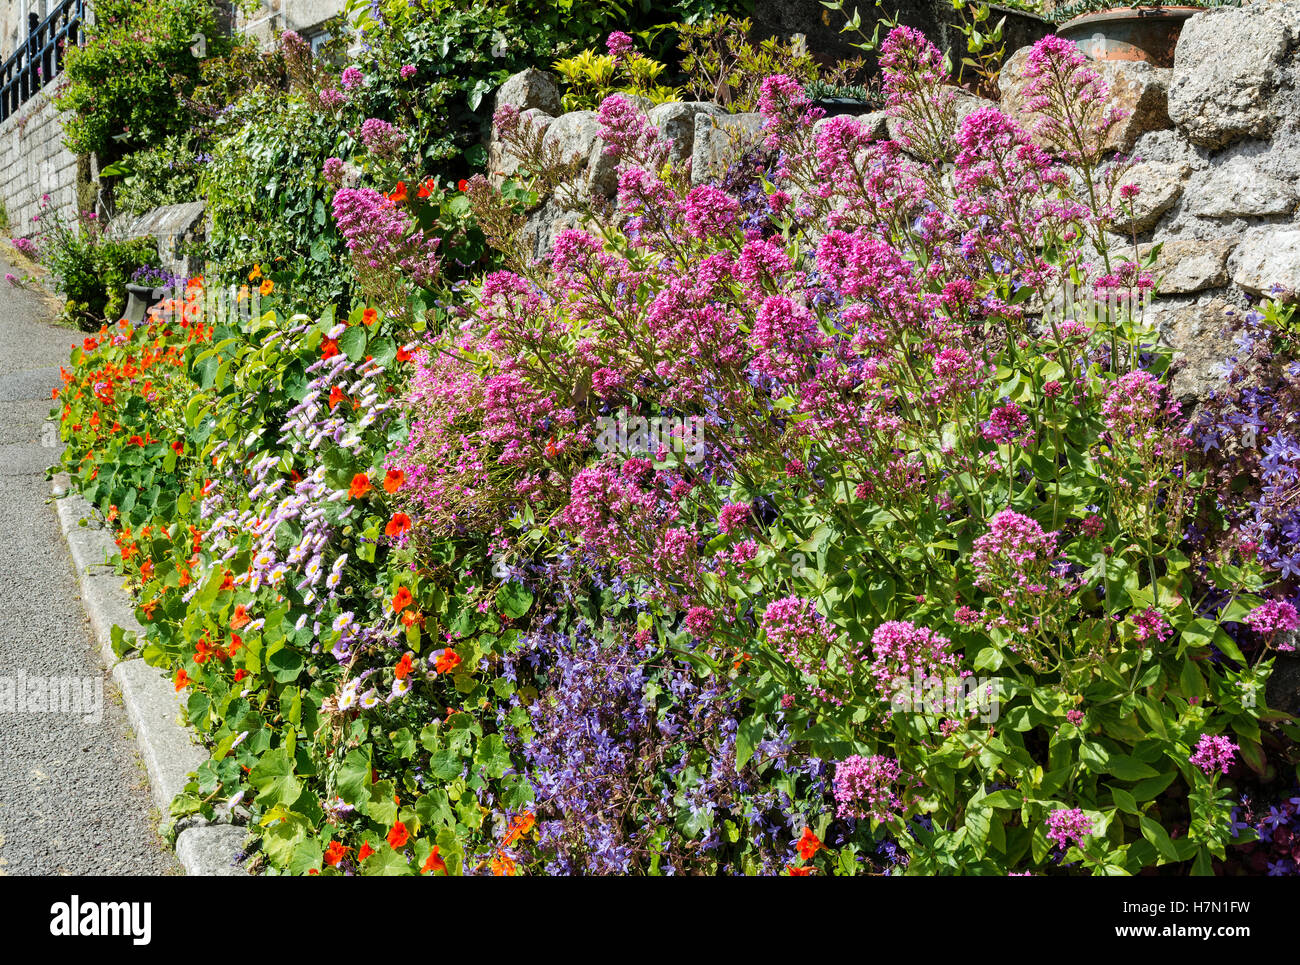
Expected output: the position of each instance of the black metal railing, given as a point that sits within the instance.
(38, 59)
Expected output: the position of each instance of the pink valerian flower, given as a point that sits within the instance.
(762, 258)
(1214, 752)
(407, 71)
(380, 138)
(917, 93)
(381, 237)
(1069, 99)
(627, 133)
(784, 337)
(786, 109)
(902, 650)
(1151, 623)
(805, 638)
(1274, 616)
(709, 212)
(1129, 191)
(332, 170)
(331, 98)
(1140, 415)
(1007, 425)
(733, 516)
(864, 787)
(1075, 717)
(699, 620)
(619, 45)
(352, 78)
(1015, 551)
(1093, 526)
(1067, 826)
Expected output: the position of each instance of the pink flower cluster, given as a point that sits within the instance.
(864, 787)
(1151, 623)
(1214, 752)
(902, 649)
(1015, 551)
(1067, 826)
(1273, 616)
(382, 237)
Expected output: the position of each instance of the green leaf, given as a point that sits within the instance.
(274, 779)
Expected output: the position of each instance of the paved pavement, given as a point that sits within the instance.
(74, 797)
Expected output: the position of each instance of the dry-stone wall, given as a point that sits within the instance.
(34, 163)
(1217, 138)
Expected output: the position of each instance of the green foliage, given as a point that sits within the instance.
(125, 85)
(591, 77)
(156, 176)
(90, 269)
(267, 200)
(723, 64)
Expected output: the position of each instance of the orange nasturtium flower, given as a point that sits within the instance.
(398, 525)
(398, 835)
(519, 826)
(448, 660)
(503, 865)
(403, 669)
(266, 287)
(241, 618)
(809, 844)
(401, 599)
(360, 486)
(435, 863)
(793, 872)
(336, 396)
(369, 316)
(399, 193)
(182, 680)
(365, 852)
(256, 273)
(426, 188)
(335, 853)
(393, 480)
(328, 348)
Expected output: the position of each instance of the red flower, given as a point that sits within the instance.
(794, 872)
(335, 853)
(399, 193)
(401, 599)
(360, 486)
(398, 525)
(240, 619)
(369, 316)
(462, 185)
(448, 660)
(182, 680)
(809, 844)
(336, 396)
(178, 446)
(403, 354)
(403, 669)
(365, 852)
(435, 863)
(393, 480)
(240, 674)
(329, 348)
(398, 835)
(426, 188)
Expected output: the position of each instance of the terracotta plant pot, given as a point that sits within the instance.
(1146, 34)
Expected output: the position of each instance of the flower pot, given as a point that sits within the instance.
(837, 106)
(1147, 34)
(138, 300)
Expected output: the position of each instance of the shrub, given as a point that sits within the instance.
(125, 85)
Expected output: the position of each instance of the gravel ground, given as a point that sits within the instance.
(73, 794)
